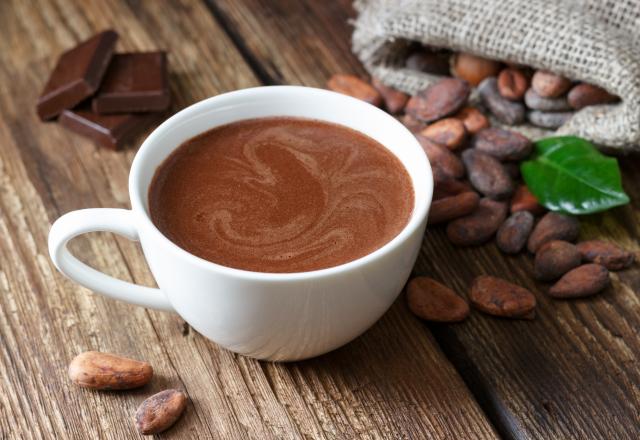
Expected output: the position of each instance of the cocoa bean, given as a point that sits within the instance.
(433, 301)
(472, 119)
(355, 87)
(487, 175)
(512, 84)
(412, 124)
(513, 169)
(435, 62)
(537, 102)
(497, 297)
(479, 226)
(583, 95)
(553, 226)
(474, 69)
(585, 280)
(524, 200)
(502, 144)
(554, 259)
(438, 173)
(441, 157)
(105, 371)
(449, 132)
(608, 254)
(505, 111)
(514, 232)
(160, 411)
(550, 120)
(439, 100)
(394, 100)
(549, 85)
(450, 208)
(448, 187)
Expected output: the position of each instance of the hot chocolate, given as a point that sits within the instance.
(281, 195)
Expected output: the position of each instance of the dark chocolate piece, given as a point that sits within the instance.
(134, 82)
(110, 131)
(77, 74)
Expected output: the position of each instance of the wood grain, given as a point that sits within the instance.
(291, 42)
(571, 373)
(393, 382)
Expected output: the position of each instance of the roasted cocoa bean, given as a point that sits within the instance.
(537, 102)
(435, 62)
(474, 69)
(439, 100)
(449, 132)
(508, 112)
(105, 371)
(549, 85)
(394, 100)
(472, 119)
(512, 84)
(448, 187)
(497, 297)
(514, 232)
(524, 200)
(513, 169)
(479, 226)
(550, 120)
(450, 208)
(412, 124)
(439, 174)
(160, 411)
(487, 175)
(608, 254)
(502, 144)
(554, 259)
(355, 87)
(585, 280)
(433, 301)
(553, 226)
(583, 95)
(441, 157)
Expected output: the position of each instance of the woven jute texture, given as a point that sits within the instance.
(596, 41)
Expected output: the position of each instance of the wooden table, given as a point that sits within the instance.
(572, 373)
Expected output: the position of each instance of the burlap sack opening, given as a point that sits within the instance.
(596, 41)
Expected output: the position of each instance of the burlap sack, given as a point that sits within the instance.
(597, 41)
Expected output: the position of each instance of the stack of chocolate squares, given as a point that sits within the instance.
(106, 96)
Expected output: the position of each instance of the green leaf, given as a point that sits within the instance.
(567, 174)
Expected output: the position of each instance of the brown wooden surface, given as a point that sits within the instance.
(571, 373)
(394, 382)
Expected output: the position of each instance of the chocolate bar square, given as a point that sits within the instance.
(77, 74)
(110, 131)
(134, 82)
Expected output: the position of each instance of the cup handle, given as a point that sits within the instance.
(119, 221)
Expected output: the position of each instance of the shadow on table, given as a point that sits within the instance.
(395, 365)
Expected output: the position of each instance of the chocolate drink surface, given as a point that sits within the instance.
(281, 195)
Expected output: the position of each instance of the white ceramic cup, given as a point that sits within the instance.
(283, 316)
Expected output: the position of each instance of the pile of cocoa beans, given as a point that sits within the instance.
(106, 371)
(513, 94)
(479, 195)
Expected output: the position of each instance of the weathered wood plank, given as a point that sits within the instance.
(571, 373)
(387, 384)
(46, 172)
(291, 42)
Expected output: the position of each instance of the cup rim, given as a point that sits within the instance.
(418, 215)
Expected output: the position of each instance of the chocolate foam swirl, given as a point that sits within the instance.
(281, 195)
